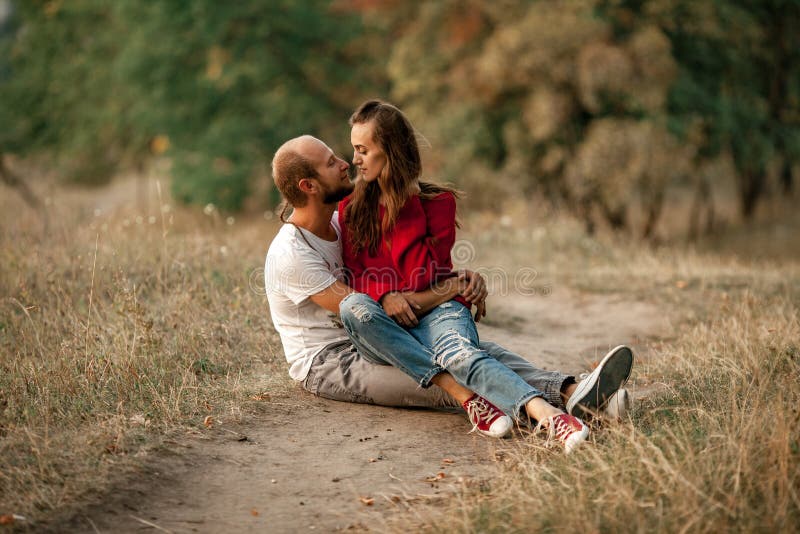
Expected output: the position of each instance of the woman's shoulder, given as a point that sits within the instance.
(442, 198)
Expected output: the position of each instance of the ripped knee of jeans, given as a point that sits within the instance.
(361, 312)
(452, 348)
(356, 305)
(446, 317)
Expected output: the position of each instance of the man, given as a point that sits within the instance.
(380, 362)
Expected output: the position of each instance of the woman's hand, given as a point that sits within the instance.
(473, 289)
(400, 309)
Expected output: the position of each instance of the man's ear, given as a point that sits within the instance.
(307, 185)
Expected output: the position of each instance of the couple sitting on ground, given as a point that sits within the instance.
(369, 310)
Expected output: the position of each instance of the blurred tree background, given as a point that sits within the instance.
(600, 106)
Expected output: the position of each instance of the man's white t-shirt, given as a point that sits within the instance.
(293, 272)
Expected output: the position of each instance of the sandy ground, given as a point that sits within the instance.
(312, 464)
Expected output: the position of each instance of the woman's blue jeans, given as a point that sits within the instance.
(445, 339)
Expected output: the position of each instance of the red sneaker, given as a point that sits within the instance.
(487, 418)
(567, 429)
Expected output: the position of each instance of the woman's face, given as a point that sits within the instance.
(368, 156)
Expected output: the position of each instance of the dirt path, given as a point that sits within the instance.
(311, 464)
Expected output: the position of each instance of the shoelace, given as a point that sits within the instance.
(478, 410)
(559, 428)
(562, 428)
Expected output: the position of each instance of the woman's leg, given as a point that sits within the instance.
(553, 384)
(382, 341)
(450, 333)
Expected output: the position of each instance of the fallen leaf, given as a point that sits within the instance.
(208, 421)
(435, 478)
(6, 519)
(448, 461)
(681, 284)
(254, 512)
(367, 501)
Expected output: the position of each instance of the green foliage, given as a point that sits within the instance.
(216, 86)
(513, 96)
(60, 94)
(228, 83)
(740, 62)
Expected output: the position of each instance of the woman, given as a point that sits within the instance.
(397, 233)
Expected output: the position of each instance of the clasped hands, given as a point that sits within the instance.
(406, 307)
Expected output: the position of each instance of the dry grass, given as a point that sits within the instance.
(119, 326)
(717, 452)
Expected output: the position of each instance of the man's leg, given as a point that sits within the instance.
(555, 386)
(594, 390)
(340, 373)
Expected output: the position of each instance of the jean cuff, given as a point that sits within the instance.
(425, 381)
(520, 414)
(552, 390)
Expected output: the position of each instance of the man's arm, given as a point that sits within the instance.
(330, 297)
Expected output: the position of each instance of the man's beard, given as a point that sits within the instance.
(333, 196)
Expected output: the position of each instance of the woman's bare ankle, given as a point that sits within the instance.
(541, 410)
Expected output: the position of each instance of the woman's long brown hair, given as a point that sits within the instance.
(396, 137)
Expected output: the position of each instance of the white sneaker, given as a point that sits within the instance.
(593, 392)
(619, 404)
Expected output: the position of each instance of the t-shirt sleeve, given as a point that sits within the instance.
(297, 273)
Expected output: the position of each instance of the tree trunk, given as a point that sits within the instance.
(653, 214)
(703, 201)
(751, 186)
(786, 178)
(13, 181)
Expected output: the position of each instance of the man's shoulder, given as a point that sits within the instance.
(284, 247)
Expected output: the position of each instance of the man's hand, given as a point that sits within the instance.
(400, 309)
(473, 289)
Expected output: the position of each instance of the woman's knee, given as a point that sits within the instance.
(452, 348)
(356, 307)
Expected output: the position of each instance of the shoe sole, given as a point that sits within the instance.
(618, 406)
(503, 433)
(610, 375)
